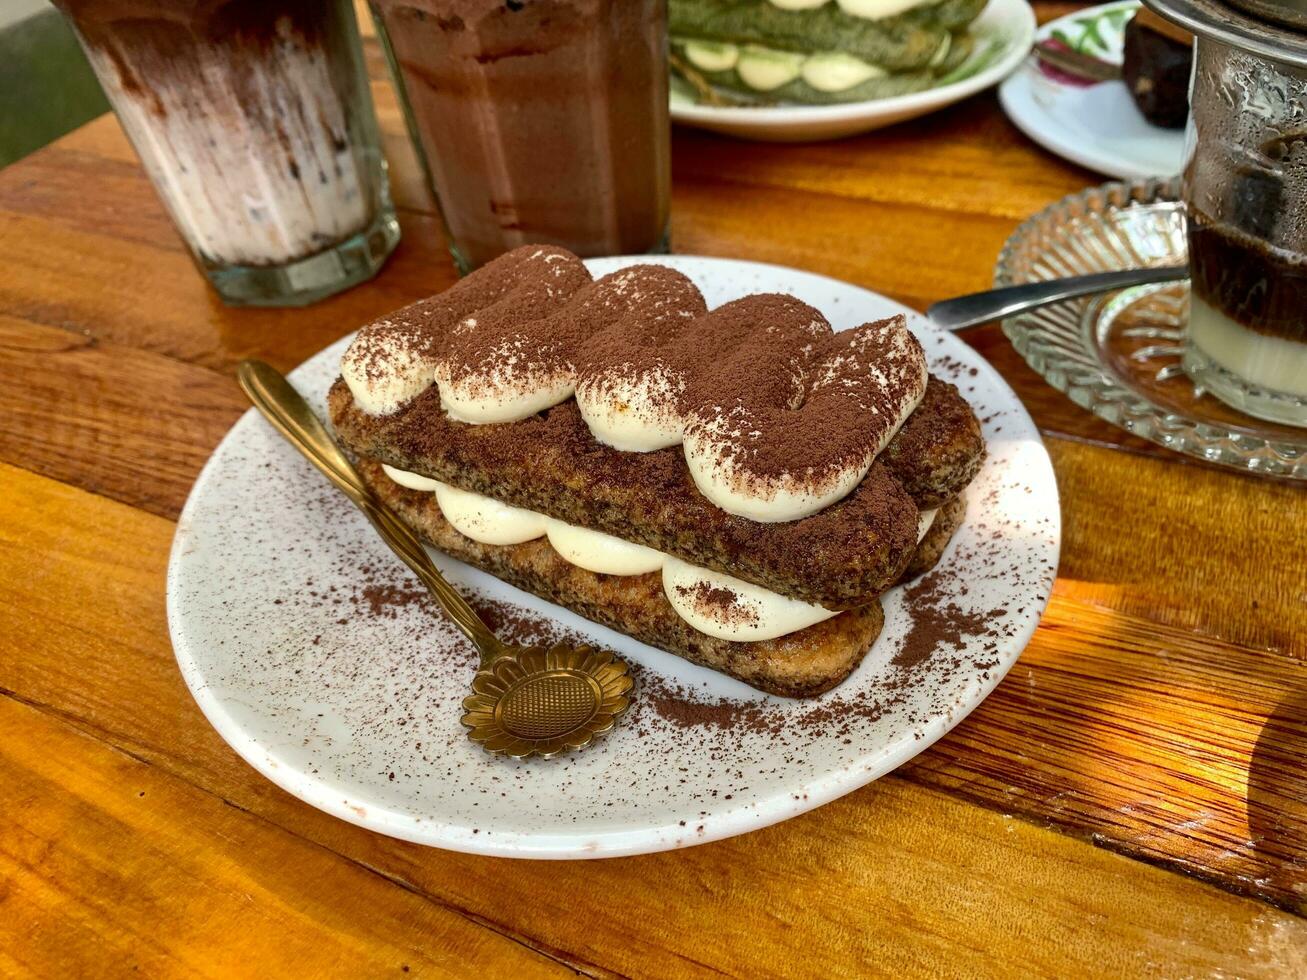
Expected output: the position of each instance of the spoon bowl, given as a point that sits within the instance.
(545, 700)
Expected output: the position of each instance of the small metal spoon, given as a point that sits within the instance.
(964, 312)
(526, 700)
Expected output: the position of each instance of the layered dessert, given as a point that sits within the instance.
(248, 116)
(745, 511)
(539, 120)
(818, 51)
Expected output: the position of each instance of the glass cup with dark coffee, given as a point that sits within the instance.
(537, 120)
(1246, 196)
(254, 121)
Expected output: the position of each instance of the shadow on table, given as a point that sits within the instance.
(1277, 796)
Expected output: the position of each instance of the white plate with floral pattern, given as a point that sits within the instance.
(1095, 125)
(316, 655)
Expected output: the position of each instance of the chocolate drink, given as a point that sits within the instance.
(540, 120)
(248, 116)
(1249, 296)
(1261, 288)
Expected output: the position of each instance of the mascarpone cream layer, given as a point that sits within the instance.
(715, 604)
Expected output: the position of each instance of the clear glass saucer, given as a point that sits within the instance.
(1119, 355)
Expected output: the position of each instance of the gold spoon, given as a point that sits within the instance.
(526, 700)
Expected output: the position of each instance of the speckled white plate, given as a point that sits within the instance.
(312, 652)
(1003, 34)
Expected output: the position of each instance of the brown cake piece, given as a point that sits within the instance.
(930, 549)
(840, 557)
(800, 664)
(940, 448)
(1157, 61)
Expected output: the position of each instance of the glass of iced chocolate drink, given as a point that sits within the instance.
(1245, 187)
(254, 121)
(537, 120)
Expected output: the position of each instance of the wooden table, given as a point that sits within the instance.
(1131, 800)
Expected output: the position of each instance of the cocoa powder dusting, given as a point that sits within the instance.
(940, 628)
(383, 600)
(778, 376)
(719, 601)
(938, 621)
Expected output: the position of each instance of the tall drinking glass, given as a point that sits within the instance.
(1245, 188)
(254, 121)
(537, 120)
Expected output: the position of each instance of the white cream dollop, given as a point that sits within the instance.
(512, 391)
(713, 56)
(763, 69)
(414, 481)
(602, 553)
(476, 405)
(835, 71)
(874, 374)
(786, 498)
(487, 520)
(636, 413)
(385, 371)
(754, 613)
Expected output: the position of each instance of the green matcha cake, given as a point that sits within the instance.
(817, 52)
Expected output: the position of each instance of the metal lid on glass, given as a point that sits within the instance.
(1273, 29)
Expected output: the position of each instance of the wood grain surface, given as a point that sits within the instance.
(1132, 799)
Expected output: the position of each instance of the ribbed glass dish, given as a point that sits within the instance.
(1119, 355)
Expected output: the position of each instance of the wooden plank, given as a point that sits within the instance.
(932, 253)
(1193, 548)
(796, 227)
(120, 421)
(1179, 749)
(925, 888)
(1155, 742)
(132, 290)
(904, 164)
(109, 867)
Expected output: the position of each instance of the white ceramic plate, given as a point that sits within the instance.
(309, 648)
(1003, 32)
(1096, 126)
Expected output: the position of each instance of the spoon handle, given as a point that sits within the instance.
(972, 310)
(290, 415)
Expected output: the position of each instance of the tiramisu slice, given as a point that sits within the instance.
(736, 486)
